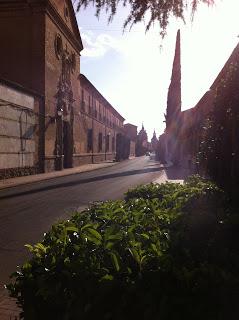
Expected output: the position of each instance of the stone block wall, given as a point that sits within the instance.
(19, 126)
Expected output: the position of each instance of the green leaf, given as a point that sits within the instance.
(135, 255)
(72, 228)
(88, 225)
(144, 258)
(41, 247)
(29, 247)
(95, 233)
(27, 266)
(92, 239)
(107, 277)
(109, 245)
(117, 236)
(67, 260)
(114, 260)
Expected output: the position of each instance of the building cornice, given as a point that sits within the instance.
(57, 19)
(11, 8)
(20, 88)
(100, 97)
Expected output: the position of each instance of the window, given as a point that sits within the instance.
(113, 144)
(82, 100)
(100, 112)
(83, 106)
(94, 113)
(89, 104)
(58, 46)
(89, 140)
(100, 139)
(107, 143)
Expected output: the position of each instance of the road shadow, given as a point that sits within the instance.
(81, 181)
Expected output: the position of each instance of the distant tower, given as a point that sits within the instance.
(174, 90)
(154, 141)
(141, 142)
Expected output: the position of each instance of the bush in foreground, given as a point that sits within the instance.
(159, 254)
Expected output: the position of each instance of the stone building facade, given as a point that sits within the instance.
(46, 60)
(20, 147)
(40, 56)
(100, 126)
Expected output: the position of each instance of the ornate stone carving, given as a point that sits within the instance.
(58, 46)
(64, 114)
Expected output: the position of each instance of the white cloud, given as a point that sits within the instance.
(97, 46)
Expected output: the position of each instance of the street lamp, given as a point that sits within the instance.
(60, 112)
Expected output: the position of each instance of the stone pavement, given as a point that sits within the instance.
(8, 307)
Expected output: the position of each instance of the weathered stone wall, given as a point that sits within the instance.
(132, 148)
(131, 132)
(18, 130)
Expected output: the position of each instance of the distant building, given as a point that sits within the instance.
(142, 142)
(154, 143)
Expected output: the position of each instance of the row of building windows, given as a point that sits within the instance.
(94, 113)
(100, 142)
(100, 112)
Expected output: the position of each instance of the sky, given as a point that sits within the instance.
(132, 70)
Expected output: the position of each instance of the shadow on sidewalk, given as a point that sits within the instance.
(178, 173)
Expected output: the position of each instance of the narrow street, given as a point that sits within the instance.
(27, 211)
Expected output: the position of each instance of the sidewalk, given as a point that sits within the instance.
(13, 182)
(173, 174)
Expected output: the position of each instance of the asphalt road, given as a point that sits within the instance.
(26, 212)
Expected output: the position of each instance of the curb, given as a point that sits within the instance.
(14, 182)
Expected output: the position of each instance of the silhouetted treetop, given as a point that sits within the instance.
(158, 11)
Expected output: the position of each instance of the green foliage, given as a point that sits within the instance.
(151, 256)
(150, 10)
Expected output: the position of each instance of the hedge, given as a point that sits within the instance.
(165, 252)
